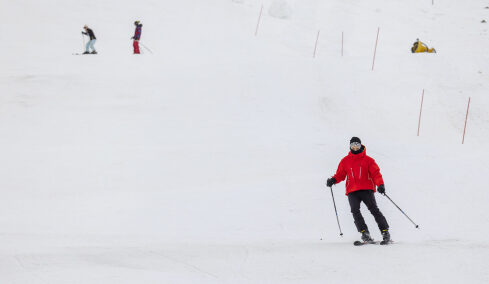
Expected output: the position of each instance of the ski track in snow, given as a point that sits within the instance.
(242, 262)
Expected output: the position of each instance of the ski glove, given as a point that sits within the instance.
(381, 189)
(330, 182)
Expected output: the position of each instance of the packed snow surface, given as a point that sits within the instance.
(205, 161)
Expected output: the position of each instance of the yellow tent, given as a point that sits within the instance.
(418, 47)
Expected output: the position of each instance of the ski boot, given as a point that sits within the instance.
(94, 52)
(386, 237)
(86, 52)
(366, 239)
(366, 236)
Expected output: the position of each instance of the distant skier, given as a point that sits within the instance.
(137, 36)
(91, 42)
(419, 47)
(362, 175)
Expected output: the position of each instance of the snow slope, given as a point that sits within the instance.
(205, 162)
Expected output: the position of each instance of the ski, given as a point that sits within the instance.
(84, 53)
(361, 243)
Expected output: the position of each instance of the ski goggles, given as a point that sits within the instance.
(355, 145)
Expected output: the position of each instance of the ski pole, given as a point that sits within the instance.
(146, 47)
(336, 211)
(401, 210)
(83, 38)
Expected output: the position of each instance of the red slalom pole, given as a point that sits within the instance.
(316, 45)
(466, 116)
(259, 19)
(420, 110)
(375, 50)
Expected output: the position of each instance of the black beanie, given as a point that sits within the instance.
(355, 139)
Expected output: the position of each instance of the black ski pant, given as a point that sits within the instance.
(367, 196)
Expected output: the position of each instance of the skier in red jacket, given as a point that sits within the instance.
(362, 176)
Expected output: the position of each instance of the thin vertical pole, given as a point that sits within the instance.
(420, 110)
(466, 116)
(342, 43)
(375, 50)
(83, 38)
(336, 211)
(259, 19)
(316, 45)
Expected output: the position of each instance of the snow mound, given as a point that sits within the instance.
(280, 9)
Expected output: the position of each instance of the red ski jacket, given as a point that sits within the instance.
(361, 172)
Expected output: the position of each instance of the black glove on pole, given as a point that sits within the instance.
(330, 182)
(401, 210)
(381, 189)
(335, 211)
